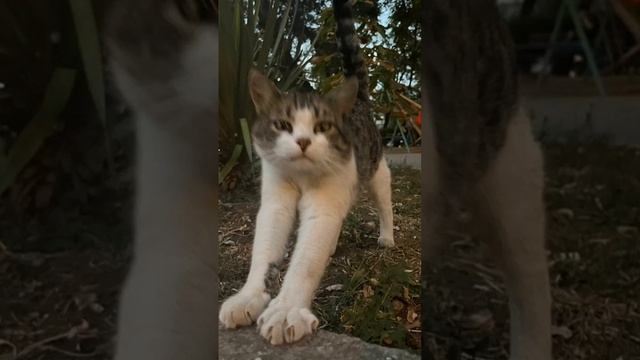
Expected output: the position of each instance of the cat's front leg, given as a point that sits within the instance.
(322, 211)
(273, 225)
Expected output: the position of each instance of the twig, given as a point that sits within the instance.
(411, 102)
(635, 339)
(14, 349)
(70, 353)
(42, 343)
(31, 258)
(480, 268)
(3, 250)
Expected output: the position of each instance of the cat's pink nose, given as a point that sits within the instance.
(303, 143)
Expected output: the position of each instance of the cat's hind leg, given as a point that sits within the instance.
(273, 226)
(512, 199)
(380, 190)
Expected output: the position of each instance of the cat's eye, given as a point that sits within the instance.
(282, 125)
(323, 126)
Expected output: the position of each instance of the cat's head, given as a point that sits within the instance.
(302, 132)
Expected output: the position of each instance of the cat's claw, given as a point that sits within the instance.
(243, 308)
(282, 323)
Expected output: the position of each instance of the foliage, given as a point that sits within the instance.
(261, 34)
(294, 43)
(41, 127)
(28, 35)
(390, 33)
(378, 304)
(90, 51)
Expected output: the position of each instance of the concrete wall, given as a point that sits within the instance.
(582, 119)
(585, 119)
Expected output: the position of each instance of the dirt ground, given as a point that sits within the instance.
(59, 284)
(593, 199)
(370, 292)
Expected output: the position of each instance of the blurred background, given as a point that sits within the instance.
(66, 151)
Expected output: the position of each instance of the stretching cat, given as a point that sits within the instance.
(480, 157)
(315, 153)
(165, 59)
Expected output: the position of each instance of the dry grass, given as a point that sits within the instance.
(593, 199)
(367, 291)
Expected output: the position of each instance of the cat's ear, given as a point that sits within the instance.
(264, 92)
(344, 96)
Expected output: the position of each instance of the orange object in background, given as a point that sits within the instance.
(419, 119)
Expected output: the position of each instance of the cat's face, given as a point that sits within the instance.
(301, 132)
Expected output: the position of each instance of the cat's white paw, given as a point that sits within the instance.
(386, 241)
(284, 323)
(243, 308)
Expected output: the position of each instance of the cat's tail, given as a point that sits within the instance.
(470, 82)
(349, 45)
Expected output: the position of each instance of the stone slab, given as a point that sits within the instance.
(247, 344)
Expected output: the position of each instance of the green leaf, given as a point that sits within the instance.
(230, 164)
(89, 44)
(90, 51)
(268, 39)
(246, 135)
(251, 38)
(281, 31)
(40, 127)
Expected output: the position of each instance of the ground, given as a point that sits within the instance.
(367, 291)
(59, 288)
(593, 198)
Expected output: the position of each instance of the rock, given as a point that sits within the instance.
(247, 344)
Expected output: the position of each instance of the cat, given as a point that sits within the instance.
(480, 158)
(316, 151)
(164, 58)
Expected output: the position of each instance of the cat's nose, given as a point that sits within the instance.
(303, 143)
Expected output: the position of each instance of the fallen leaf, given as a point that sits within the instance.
(627, 230)
(563, 331)
(414, 325)
(370, 225)
(334, 287)
(397, 305)
(411, 315)
(481, 320)
(97, 308)
(405, 293)
(367, 291)
(598, 203)
(482, 287)
(603, 241)
(565, 212)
